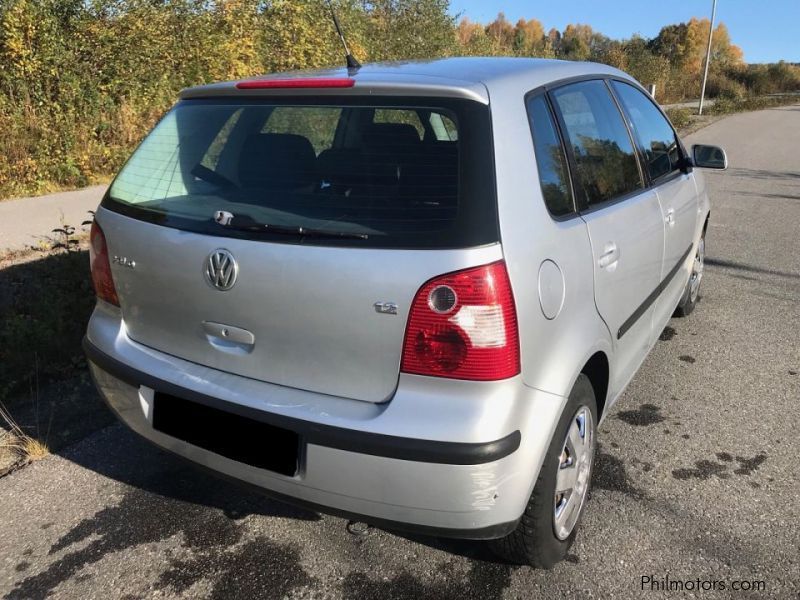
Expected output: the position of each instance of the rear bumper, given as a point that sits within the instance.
(363, 442)
(468, 473)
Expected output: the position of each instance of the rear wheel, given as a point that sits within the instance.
(549, 523)
(691, 295)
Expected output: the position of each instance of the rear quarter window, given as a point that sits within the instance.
(551, 161)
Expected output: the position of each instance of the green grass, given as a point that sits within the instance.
(727, 105)
(680, 117)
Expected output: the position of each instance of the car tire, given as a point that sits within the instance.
(691, 295)
(544, 534)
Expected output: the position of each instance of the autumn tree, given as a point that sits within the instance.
(501, 32)
(670, 43)
(644, 65)
(473, 40)
(553, 41)
(685, 45)
(576, 42)
(529, 39)
(408, 29)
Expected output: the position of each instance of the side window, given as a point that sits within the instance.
(604, 155)
(653, 131)
(443, 127)
(550, 159)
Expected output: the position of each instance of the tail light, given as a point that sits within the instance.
(101, 267)
(463, 325)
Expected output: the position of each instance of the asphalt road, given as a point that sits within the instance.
(22, 216)
(696, 479)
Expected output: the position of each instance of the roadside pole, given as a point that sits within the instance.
(708, 57)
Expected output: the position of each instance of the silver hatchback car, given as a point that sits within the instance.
(406, 294)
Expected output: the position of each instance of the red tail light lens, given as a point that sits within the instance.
(463, 325)
(101, 267)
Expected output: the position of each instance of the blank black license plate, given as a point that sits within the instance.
(230, 435)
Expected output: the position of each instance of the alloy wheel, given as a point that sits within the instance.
(574, 472)
(697, 270)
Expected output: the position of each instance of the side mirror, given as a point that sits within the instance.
(709, 157)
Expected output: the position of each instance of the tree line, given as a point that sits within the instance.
(673, 60)
(81, 81)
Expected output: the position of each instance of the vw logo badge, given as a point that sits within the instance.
(221, 269)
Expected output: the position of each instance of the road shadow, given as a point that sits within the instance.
(765, 195)
(737, 266)
(764, 174)
(164, 497)
(46, 299)
(119, 454)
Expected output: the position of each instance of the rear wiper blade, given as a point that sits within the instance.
(298, 231)
(318, 233)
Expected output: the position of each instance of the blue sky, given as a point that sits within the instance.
(766, 30)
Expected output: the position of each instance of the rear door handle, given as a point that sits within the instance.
(233, 340)
(610, 255)
(670, 218)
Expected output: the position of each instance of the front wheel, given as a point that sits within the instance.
(549, 524)
(691, 294)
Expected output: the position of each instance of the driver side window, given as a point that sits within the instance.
(653, 132)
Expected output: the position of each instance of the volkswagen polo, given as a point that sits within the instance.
(405, 294)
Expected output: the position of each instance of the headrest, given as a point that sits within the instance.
(394, 135)
(277, 161)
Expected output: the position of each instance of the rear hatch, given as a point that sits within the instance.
(273, 237)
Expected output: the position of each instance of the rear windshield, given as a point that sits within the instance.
(389, 173)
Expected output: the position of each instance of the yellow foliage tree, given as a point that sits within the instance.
(576, 42)
(723, 52)
(529, 39)
(501, 32)
(472, 39)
